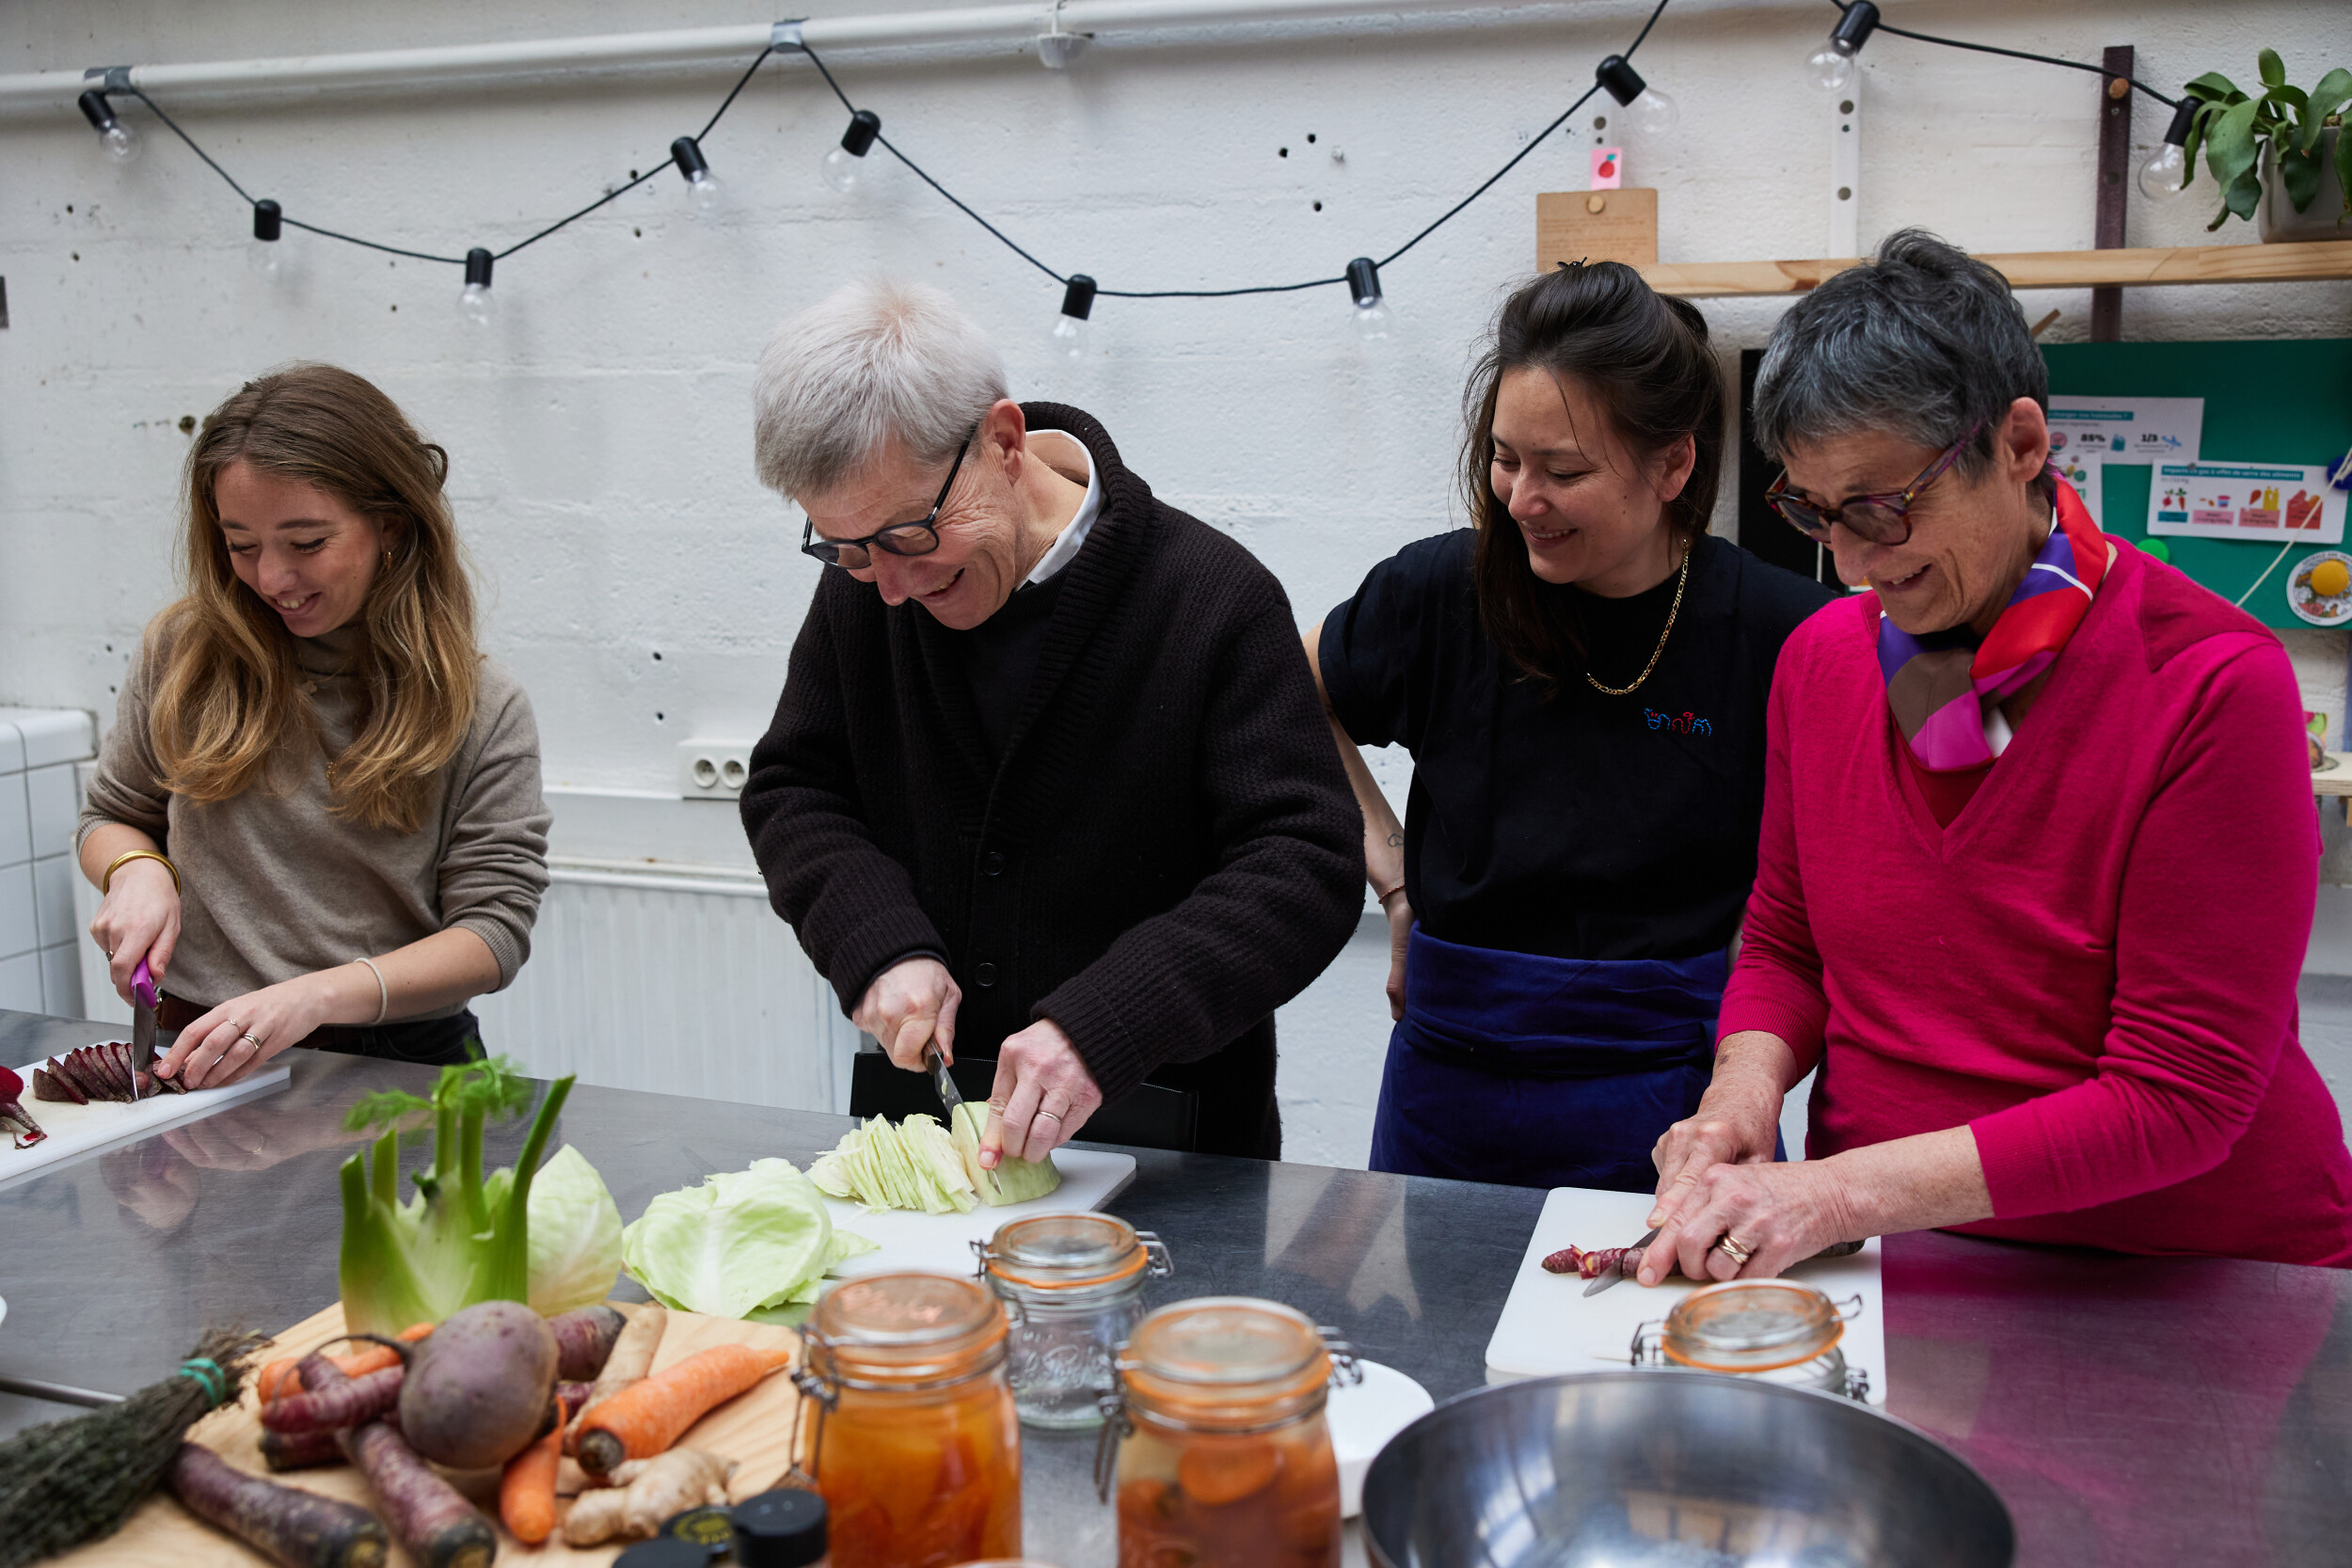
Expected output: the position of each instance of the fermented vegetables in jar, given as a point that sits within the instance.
(1076, 1282)
(916, 1448)
(1223, 1454)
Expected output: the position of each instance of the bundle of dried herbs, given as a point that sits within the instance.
(79, 1479)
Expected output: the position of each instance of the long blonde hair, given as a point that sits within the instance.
(226, 707)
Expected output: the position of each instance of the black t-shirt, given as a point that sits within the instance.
(1000, 657)
(1585, 826)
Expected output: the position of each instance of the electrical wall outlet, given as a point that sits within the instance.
(713, 770)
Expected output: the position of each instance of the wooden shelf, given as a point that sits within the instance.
(2303, 261)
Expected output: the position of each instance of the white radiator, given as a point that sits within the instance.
(676, 980)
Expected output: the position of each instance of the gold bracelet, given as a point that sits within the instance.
(105, 879)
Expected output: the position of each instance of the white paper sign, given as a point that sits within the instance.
(2271, 502)
(2085, 477)
(2125, 430)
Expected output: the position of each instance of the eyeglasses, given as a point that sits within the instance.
(1875, 519)
(920, 538)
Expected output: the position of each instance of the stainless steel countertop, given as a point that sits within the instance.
(2130, 1411)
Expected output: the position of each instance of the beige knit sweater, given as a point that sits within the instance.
(277, 885)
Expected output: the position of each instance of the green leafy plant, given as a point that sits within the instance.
(2233, 126)
(464, 1238)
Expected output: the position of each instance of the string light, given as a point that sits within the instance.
(268, 224)
(475, 304)
(1646, 110)
(1068, 333)
(1363, 287)
(701, 183)
(1831, 68)
(2164, 178)
(121, 141)
(841, 165)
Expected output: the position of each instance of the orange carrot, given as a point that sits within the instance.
(277, 1377)
(527, 1493)
(644, 1418)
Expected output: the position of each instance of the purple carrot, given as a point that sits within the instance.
(342, 1405)
(297, 1528)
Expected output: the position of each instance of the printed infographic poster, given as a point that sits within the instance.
(2085, 476)
(2281, 502)
(2125, 430)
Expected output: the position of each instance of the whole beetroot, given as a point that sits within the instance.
(477, 1389)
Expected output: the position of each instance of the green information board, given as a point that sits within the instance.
(2267, 401)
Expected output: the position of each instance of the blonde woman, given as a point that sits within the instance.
(318, 814)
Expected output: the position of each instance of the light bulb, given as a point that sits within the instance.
(701, 184)
(1363, 287)
(475, 303)
(1829, 68)
(1068, 337)
(1653, 114)
(1374, 324)
(122, 143)
(262, 257)
(2164, 177)
(1069, 334)
(840, 167)
(269, 222)
(706, 192)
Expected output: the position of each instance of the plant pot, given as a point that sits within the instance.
(2276, 217)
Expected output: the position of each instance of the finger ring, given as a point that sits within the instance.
(255, 1041)
(1732, 1248)
(1051, 1114)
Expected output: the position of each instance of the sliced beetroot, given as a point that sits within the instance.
(46, 1088)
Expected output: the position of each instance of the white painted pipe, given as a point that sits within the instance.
(451, 64)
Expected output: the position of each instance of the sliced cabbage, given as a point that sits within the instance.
(913, 1164)
(739, 1243)
(1012, 1181)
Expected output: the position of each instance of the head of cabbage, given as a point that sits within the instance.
(739, 1243)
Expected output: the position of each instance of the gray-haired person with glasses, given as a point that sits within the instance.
(2038, 860)
(1045, 785)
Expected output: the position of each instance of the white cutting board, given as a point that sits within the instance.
(77, 1129)
(1549, 1325)
(941, 1243)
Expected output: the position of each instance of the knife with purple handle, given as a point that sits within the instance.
(145, 999)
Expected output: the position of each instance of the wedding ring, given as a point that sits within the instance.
(255, 1041)
(1730, 1247)
(1053, 1114)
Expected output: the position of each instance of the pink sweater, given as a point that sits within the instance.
(2094, 967)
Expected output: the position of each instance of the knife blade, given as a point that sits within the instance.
(144, 1000)
(1610, 1274)
(942, 1081)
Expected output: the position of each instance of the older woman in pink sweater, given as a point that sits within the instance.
(2039, 851)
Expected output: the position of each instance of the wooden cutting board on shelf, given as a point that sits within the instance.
(756, 1428)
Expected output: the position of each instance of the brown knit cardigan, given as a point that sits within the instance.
(1167, 852)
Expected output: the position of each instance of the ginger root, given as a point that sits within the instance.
(645, 1492)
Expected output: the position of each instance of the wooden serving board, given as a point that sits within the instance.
(756, 1428)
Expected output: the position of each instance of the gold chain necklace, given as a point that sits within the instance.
(1681, 582)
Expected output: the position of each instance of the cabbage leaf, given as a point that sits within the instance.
(575, 1235)
(1012, 1181)
(913, 1164)
(739, 1243)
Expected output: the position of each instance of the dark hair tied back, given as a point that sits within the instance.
(1643, 359)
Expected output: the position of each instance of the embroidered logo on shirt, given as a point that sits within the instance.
(1686, 722)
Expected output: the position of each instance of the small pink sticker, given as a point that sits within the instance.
(1608, 167)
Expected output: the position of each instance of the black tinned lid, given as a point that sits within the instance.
(664, 1551)
(784, 1528)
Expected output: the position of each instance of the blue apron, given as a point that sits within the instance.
(1543, 1073)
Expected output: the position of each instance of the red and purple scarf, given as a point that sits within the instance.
(1940, 685)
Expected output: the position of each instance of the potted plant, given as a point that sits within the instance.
(2283, 142)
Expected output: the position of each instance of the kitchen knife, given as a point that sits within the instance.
(1610, 1274)
(942, 1081)
(144, 1001)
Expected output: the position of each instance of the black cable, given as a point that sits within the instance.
(157, 110)
(2016, 54)
(613, 194)
(1644, 32)
(741, 82)
(1532, 144)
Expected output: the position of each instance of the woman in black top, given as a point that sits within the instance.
(1581, 678)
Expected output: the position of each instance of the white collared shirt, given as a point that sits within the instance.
(1073, 537)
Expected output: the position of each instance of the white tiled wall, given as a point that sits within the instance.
(40, 961)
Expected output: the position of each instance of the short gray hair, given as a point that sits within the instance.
(870, 362)
(1924, 343)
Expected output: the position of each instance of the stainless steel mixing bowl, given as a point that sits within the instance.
(1674, 1470)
